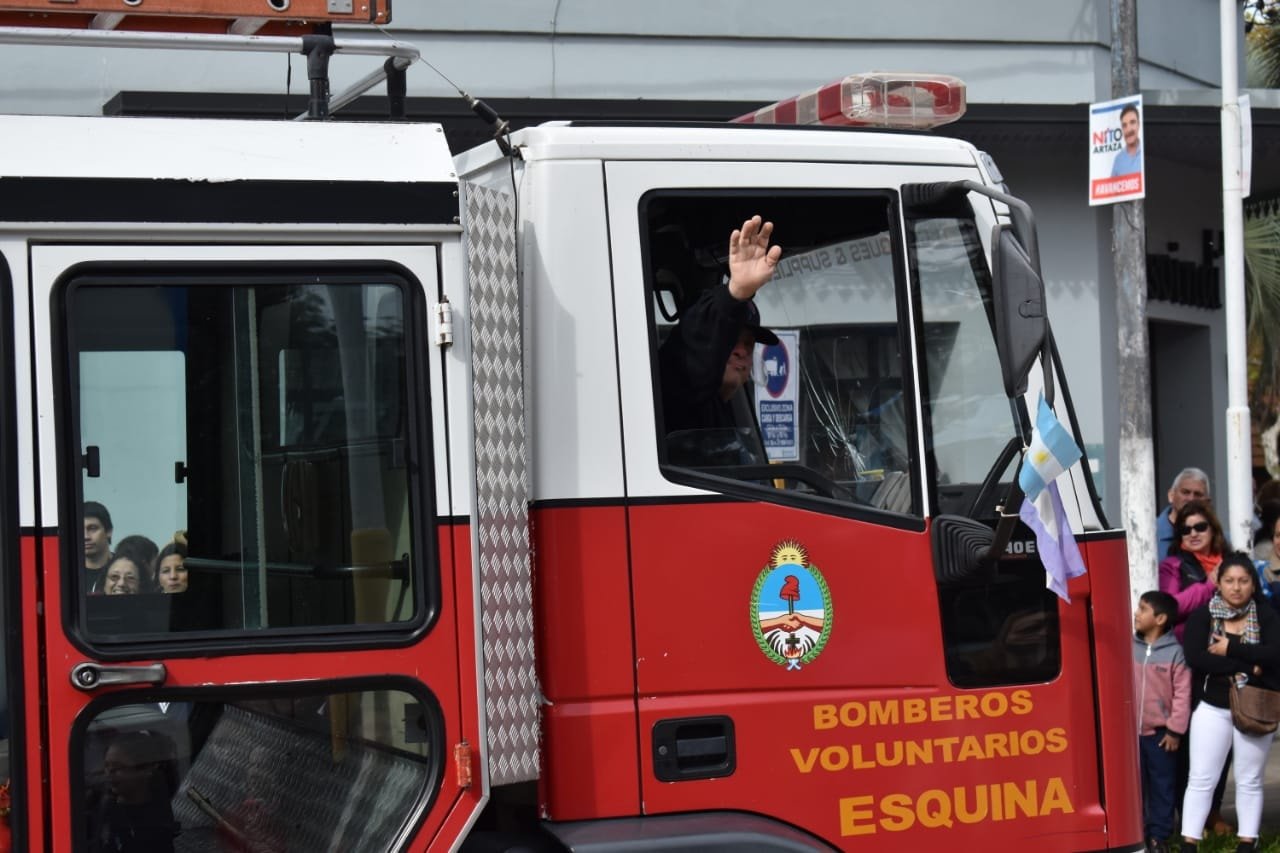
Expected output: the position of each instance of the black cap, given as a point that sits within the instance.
(762, 334)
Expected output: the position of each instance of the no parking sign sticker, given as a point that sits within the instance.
(776, 396)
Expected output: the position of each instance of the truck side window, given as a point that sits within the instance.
(826, 414)
(245, 448)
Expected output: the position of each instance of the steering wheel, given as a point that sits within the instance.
(992, 480)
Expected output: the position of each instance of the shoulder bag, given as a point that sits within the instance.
(1255, 710)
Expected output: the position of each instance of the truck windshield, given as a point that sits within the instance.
(968, 419)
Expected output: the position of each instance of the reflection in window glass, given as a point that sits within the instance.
(825, 408)
(342, 771)
(970, 417)
(251, 443)
(1003, 630)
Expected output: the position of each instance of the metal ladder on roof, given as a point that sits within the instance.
(279, 26)
(233, 17)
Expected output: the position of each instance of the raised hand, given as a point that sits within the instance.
(751, 258)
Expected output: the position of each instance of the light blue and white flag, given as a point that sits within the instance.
(1051, 453)
(1058, 550)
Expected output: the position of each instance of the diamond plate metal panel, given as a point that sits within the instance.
(502, 488)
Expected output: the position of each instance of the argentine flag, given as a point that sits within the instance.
(1052, 452)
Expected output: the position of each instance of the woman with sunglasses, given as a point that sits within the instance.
(1190, 572)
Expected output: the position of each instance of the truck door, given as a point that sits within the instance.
(798, 655)
(247, 556)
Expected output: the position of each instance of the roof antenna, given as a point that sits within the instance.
(501, 127)
(487, 114)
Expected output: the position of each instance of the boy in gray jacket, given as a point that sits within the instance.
(1162, 687)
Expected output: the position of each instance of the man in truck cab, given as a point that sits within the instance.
(706, 360)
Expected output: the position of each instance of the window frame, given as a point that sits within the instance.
(420, 466)
(731, 489)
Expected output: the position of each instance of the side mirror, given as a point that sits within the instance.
(1021, 321)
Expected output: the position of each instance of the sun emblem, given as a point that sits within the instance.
(791, 612)
(789, 552)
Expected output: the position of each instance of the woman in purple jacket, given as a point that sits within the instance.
(1190, 572)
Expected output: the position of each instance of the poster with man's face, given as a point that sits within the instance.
(1116, 167)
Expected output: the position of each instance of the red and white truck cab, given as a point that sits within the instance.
(446, 578)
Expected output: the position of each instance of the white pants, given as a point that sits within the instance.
(1212, 736)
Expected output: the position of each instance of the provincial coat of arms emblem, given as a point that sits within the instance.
(791, 612)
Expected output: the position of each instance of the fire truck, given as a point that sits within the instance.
(373, 437)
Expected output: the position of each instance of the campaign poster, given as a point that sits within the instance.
(1116, 166)
(776, 397)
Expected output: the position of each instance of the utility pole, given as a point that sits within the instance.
(1239, 440)
(1129, 258)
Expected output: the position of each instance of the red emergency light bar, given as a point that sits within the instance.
(877, 99)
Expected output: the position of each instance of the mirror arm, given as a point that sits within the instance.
(1024, 224)
(1024, 221)
(1046, 359)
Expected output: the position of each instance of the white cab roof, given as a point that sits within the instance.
(560, 141)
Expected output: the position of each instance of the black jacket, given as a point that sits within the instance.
(692, 360)
(1211, 674)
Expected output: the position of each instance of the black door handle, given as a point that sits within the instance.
(693, 748)
(90, 676)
